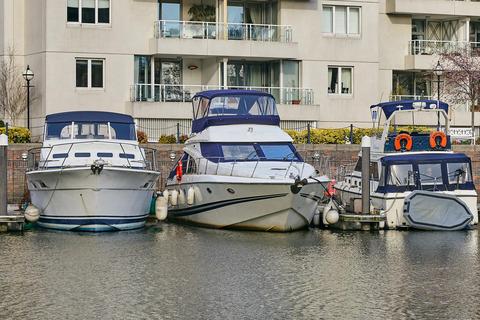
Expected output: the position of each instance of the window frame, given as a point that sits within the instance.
(339, 83)
(89, 73)
(347, 22)
(96, 23)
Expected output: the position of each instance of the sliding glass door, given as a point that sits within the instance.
(168, 80)
(170, 14)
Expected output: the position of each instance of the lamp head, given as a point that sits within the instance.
(28, 74)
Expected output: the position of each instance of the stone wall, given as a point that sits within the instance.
(332, 160)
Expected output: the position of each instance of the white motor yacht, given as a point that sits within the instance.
(239, 170)
(416, 180)
(91, 174)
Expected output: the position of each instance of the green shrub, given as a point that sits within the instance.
(17, 134)
(170, 139)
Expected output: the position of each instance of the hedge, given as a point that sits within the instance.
(342, 135)
(17, 134)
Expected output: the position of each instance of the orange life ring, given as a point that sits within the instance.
(401, 137)
(434, 137)
(179, 170)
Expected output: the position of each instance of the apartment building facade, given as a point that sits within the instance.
(325, 61)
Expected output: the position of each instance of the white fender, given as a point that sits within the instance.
(165, 194)
(198, 194)
(332, 216)
(316, 217)
(174, 198)
(191, 196)
(32, 213)
(161, 208)
(181, 197)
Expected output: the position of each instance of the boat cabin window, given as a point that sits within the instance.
(459, 173)
(401, 175)
(249, 152)
(430, 174)
(239, 152)
(373, 168)
(253, 105)
(278, 152)
(90, 130)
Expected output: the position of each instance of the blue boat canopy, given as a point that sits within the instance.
(390, 107)
(89, 116)
(424, 157)
(227, 107)
(209, 94)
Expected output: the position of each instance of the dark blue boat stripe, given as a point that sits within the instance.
(220, 204)
(95, 217)
(311, 197)
(90, 221)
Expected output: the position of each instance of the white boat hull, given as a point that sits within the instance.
(253, 205)
(392, 204)
(77, 199)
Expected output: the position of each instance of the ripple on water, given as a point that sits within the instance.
(175, 272)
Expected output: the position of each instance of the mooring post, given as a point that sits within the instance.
(178, 132)
(351, 133)
(309, 139)
(3, 174)
(366, 175)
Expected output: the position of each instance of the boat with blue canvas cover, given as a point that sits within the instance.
(416, 180)
(239, 170)
(91, 174)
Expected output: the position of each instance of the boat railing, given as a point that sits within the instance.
(247, 168)
(42, 158)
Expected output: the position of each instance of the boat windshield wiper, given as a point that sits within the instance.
(249, 156)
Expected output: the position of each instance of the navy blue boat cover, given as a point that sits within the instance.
(241, 116)
(425, 157)
(88, 116)
(392, 106)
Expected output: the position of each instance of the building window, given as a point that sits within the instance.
(341, 20)
(340, 80)
(89, 73)
(88, 11)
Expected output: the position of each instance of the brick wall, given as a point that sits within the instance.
(332, 160)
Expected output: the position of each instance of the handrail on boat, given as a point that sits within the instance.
(202, 165)
(33, 164)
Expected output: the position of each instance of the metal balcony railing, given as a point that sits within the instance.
(410, 97)
(431, 47)
(185, 93)
(220, 30)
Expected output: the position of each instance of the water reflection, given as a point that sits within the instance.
(173, 272)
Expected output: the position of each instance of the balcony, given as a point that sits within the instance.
(221, 31)
(435, 47)
(423, 54)
(466, 8)
(409, 97)
(166, 101)
(185, 93)
(223, 39)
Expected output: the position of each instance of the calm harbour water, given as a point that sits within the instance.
(178, 272)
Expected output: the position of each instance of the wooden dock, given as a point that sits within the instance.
(13, 221)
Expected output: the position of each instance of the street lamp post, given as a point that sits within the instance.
(438, 71)
(28, 76)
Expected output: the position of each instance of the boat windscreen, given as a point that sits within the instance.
(235, 105)
(90, 130)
